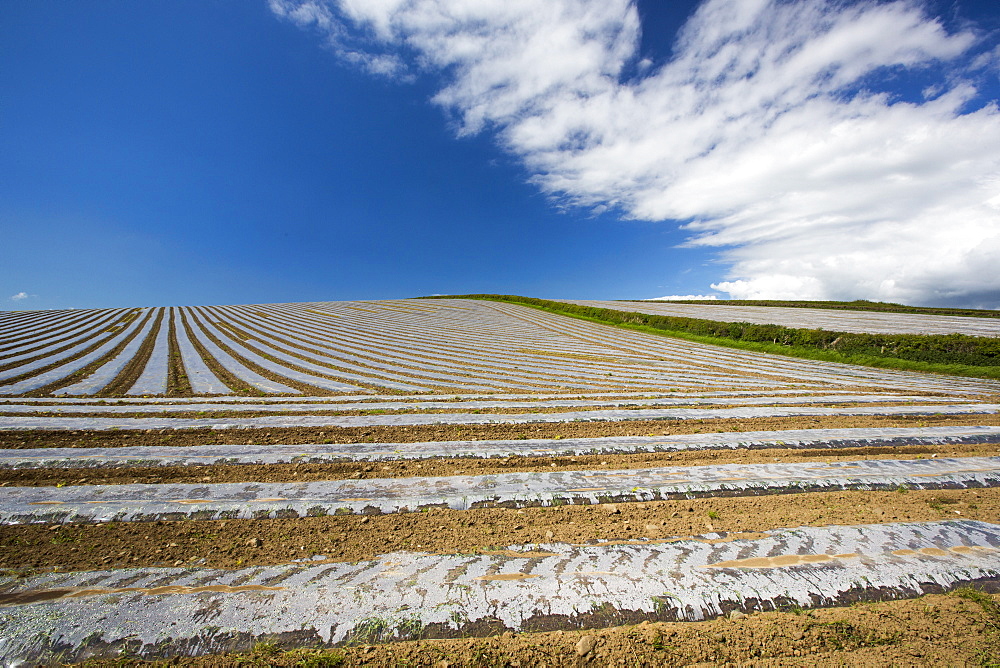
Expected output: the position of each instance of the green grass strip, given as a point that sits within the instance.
(950, 354)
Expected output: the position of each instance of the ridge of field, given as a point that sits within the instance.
(953, 354)
(916, 440)
(255, 500)
(408, 420)
(355, 482)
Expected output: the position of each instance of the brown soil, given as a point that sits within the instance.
(474, 432)
(149, 400)
(178, 384)
(956, 629)
(456, 466)
(235, 543)
(940, 629)
(329, 410)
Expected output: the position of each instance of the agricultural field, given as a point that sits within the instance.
(866, 322)
(455, 482)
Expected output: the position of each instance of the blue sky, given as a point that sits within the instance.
(236, 151)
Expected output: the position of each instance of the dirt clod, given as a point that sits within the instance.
(586, 645)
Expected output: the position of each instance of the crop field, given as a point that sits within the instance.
(864, 322)
(454, 482)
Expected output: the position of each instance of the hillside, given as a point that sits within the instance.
(481, 483)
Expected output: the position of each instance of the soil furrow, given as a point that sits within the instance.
(417, 410)
(177, 380)
(474, 432)
(239, 543)
(360, 470)
(128, 375)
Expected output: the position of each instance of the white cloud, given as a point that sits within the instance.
(677, 298)
(766, 133)
(327, 18)
(19, 296)
(989, 60)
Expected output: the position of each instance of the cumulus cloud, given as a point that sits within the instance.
(19, 296)
(770, 134)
